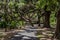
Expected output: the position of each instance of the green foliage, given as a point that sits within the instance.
(20, 5)
(13, 23)
(50, 4)
(21, 23)
(12, 18)
(41, 4)
(11, 4)
(53, 19)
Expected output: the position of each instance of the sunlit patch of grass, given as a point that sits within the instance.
(40, 36)
(1, 35)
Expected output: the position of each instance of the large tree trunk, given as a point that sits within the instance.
(47, 19)
(57, 32)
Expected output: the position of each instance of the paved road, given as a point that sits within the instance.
(27, 34)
